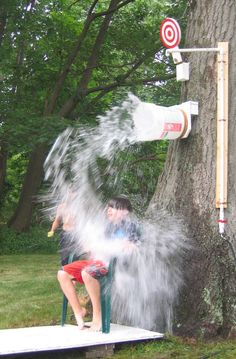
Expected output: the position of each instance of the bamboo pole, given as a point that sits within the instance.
(222, 128)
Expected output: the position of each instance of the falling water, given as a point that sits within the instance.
(147, 282)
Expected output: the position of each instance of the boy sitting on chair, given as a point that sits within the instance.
(89, 271)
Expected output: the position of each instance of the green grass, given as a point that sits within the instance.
(30, 296)
(178, 348)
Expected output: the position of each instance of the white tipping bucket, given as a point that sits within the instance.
(152, 122)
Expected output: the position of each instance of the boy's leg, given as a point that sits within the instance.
(68, 288)
(93, 288)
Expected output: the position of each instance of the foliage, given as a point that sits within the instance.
(32, 130)
(37, 43)
(44, 36)
(134, 172)
(15, 174)
(35, 240)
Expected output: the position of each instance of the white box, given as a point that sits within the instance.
(182, 71)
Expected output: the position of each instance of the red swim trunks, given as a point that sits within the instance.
(95, 268)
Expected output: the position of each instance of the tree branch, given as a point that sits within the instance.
(103, 90)
(114, 9)
(150, 157)
(144, 81)
(144, 158)
(73, 3)
(82, 86)
(50, 105)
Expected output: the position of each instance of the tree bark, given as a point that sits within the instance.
(21, 219)
(187, 185)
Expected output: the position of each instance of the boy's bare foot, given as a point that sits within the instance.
(95, 327)
(80, 320)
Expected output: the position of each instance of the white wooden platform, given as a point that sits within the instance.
(46, 338)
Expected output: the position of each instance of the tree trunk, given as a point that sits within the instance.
(3, 21)
(33, 179)
(187, 185)
(3, 169)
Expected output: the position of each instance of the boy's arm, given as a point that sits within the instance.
(133, 238)
(56, 223)
(134, 233)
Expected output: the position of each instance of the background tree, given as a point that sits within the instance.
(65, 62)
(187, 185)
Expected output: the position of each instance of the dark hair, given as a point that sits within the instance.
(120, 202)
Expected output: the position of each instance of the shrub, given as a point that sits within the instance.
(35, 240)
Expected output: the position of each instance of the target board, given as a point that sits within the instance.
(170, 33)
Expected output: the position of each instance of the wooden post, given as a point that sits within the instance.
(222, 115)
(100, 351)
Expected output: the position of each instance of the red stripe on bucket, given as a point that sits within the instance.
(172, 127)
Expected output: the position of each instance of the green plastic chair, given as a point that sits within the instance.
(105, 283)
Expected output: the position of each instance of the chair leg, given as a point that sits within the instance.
(106, 284)
(65, 300)
(64, 310)
(106, 304)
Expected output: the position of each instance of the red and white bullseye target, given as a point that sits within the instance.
(170, 33)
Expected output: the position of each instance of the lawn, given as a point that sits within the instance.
(30, 296)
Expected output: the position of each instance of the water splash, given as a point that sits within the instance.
(146, 283)
(146, 291)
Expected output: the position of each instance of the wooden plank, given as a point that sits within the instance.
(50, 338)
(222, 115)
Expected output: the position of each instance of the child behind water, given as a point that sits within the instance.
(87, 272)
